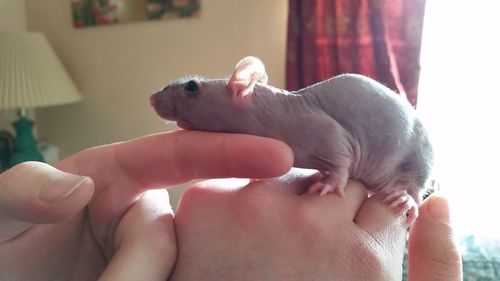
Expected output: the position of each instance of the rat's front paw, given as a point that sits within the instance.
(331, 182)
(325, 188)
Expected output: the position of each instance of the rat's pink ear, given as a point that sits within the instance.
(246, 74)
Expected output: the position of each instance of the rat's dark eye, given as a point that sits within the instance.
(191, 88)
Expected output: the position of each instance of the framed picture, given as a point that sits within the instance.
(88, 13)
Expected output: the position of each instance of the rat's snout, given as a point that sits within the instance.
(152, 100)
(155, 99)
(162, 105)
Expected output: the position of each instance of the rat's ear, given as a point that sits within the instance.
(246, 74)
(241, 88)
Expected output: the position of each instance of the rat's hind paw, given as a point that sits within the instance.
(400, 202)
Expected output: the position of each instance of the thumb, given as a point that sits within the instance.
(432, 252)
(36, 193)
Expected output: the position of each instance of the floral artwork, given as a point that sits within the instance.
(88, 13)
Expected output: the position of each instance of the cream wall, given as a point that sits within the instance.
(12, 15)
(117, 67)
(12, 19)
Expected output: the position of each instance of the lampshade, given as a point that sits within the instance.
(31, 74)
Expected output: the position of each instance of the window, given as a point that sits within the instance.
(459, 101)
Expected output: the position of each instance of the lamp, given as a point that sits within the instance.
(31, 76)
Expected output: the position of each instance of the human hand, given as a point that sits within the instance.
(274, 230)
(433, 255)
(56, 225)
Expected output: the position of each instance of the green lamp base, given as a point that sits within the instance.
(25, 146)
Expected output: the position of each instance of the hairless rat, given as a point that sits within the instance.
(348, 126)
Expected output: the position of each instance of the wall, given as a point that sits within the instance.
(12, 15)
(12, 19)
(117, 67)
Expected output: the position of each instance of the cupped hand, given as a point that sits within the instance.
(274, 230)
(92, 217)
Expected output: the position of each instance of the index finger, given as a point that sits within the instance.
(176, 157)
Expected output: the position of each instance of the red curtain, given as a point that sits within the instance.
(377, 38)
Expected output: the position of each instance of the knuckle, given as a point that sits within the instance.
(309, 222)
(39, 212)
(255, 202)
(193, 196)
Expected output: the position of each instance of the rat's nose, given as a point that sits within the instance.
(152, 100)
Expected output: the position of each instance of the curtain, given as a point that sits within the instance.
(377, 38)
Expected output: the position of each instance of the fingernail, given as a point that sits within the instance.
(439, 208)
(58, 190)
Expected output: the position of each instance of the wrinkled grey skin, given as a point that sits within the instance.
(349, 126)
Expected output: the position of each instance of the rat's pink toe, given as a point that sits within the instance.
(400, 202)
(411, 215)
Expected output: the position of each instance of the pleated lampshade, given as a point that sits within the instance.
(31, 74)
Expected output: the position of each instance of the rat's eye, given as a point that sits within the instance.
(191, 88)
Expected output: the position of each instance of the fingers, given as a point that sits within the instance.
(383, 221)
(383, 217)
(433, 254)
(173, 158)
(145, 244)
(123, 171)
(35, 193)
(386, 211)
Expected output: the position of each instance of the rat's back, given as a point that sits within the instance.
(390, 143)
(352, 99)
